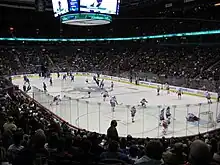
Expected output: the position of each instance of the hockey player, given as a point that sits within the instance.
(96, 3)
(87, 81)
(64, 77)
(158, 90)
(97, 82)
(72, 78)
(104, 95)
(144, 102)
(161, 116)
(179, 93)
(28, 88)
(51, 81)
(24, 88)
(45, 87)
(191, 117)
(89, 94)
(102, 84)
(113, 103)
(208, 97)
(168, 114)
(56, 100)
(94, 78)
(58, 75)
(165, 127)
(133, 112)
(26, 80)
(112, 86)
(167, 89)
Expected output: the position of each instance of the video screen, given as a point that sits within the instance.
(100, 6)
(60, 7)
(73, 5)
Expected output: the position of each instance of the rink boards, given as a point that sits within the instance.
(193, 92)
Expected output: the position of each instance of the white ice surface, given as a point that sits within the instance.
(97, 117)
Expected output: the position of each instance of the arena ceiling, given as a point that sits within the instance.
(125, 4)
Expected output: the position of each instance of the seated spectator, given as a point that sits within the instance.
(199, 153)
(113, 153)
(35, 152)
(3, 155)
(216, 157)
(25, 140)
(10, 126)
(87, 157)
(175, 156)
(133, 153)
(153, 156)
(15, 148)
(53, 142)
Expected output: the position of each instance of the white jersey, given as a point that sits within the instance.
(113, 101)
(143, 101)
(168, 112)
(179, 92)
(162, 116)
(207, 95)
(105, 94)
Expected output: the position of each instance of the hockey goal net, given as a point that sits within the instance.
(206, 119)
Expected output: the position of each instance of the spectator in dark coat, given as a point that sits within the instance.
(112, 132)
(15, 148)
(113, 153)
(199, 153)
(154, 150)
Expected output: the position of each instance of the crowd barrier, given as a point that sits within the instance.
(95, 116)
(189, 91)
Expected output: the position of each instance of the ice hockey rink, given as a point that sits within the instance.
(94, 114)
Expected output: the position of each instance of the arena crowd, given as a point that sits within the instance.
(30, 134)
(187, 66)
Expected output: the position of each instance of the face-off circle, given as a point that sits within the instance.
(86, 19)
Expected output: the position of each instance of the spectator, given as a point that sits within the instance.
(10, 126)
(113, 153)
(25, 140)
(199, 153)
(133, 153)
(216, 157)
(154, 150)
(15, 148)
(53, 142)
(175, 156)
(35, 152)
(112, 132)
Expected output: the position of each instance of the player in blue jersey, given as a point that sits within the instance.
(97, 3)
